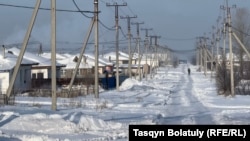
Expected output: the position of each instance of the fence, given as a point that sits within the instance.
(4, 100)
(64, 93)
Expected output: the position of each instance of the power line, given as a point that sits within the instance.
(105, 26)
(30, 7)
(91, 17)
(60, 10)
(80, 9)
(179, 39)
(181, 51)
(124, 35)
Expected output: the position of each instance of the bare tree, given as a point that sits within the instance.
(241, 27)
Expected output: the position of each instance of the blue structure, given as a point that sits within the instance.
(108, 83)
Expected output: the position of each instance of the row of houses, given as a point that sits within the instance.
(35, 70)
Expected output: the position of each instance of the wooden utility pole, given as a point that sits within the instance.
(138, 46)
(146, 39)
(241, 44)
(146, 47)
(96, 48)
(197, 53)
(129, 43)
(85, 42)
(205, 54)
(117, 40)
(217, 46)
(22, 51)
(200, 44)
(53, 54)
(155, 50)
(229, 26)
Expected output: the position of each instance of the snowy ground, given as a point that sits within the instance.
(169, 97)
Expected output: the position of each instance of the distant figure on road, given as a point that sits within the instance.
(189, 71)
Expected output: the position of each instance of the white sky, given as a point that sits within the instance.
(178, 22)
(169, 97)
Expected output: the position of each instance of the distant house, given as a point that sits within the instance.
(123, 57)
(43, 69)
(86, 68)
(123, 62)
(103, 65)
(23, 79)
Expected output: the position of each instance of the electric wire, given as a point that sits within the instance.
(30, 7)
(80, 9)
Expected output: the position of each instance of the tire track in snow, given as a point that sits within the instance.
(183, 107)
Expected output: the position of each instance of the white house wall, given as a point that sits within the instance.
(22, 82)
(4, 82)
(44, 71)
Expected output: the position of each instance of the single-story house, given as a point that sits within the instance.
(43, 69)
(23, 79)
(86, 67)
(123, 57)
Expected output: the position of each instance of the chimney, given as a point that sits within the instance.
(3, 48)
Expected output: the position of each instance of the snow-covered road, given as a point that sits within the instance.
(171, 96)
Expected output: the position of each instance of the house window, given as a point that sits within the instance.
(125, 62)
(33, 76)
(78, 72)
(63, 72)
(88, 71)
(40, 75)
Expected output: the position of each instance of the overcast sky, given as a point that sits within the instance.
(177, 22)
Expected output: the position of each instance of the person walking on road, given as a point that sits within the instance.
(189, 71)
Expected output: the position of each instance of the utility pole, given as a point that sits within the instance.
(117, 40)
(138, 46)
(155, 50)
(146, 48)
(213, 47)
(151, 56)
(197, 53)
(205, 54)
(217, 44)
(22, 51)
(146, 39)
(96, 48)
(229, 26)
(53, 54)
(129, 42)
(200, 53)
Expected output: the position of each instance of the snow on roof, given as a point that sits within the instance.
(71, 64)
(102, 61)
(8, 61)
(122, 56)
(90, 61)
(126, 65)
(58, 55)
(32, 57)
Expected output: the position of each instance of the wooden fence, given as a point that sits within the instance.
(75, 92)
(4, 100)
